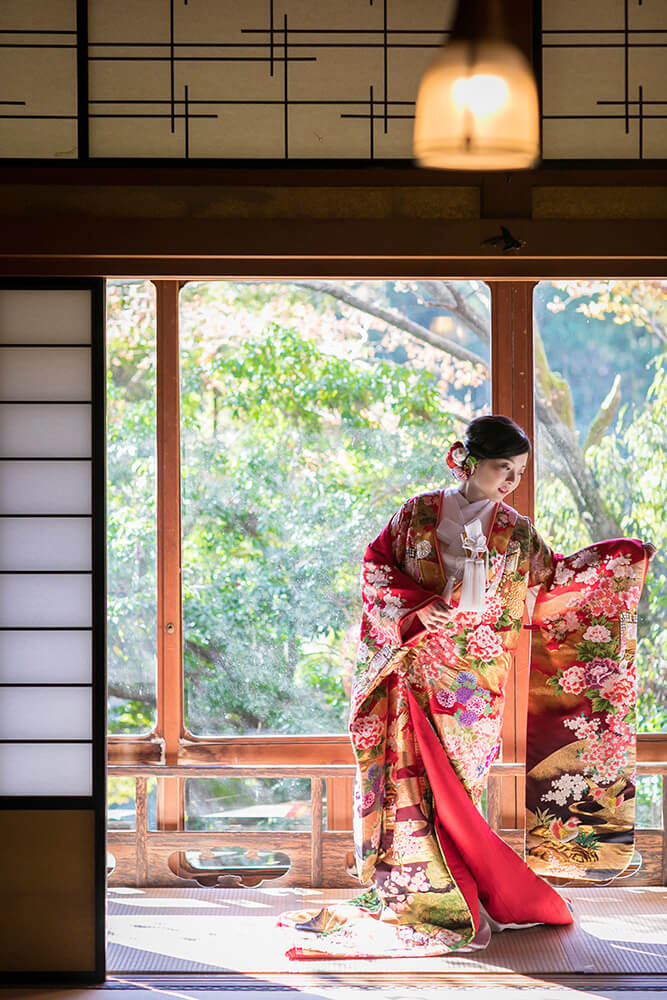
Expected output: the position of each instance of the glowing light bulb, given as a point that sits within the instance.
(482, 94)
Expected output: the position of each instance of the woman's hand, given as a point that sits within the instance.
(649, 549)
(435, 615)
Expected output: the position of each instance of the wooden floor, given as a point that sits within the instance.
(618, 931)
(191, 943)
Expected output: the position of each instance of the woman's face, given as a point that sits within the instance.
(496, 478)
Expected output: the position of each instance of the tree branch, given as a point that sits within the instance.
(132, 692)
(605, 415)
(395, 319)
(449, 296)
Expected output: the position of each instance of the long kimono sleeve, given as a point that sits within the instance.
(581, 749)
(390, 596)
(390, 599)
(542, 561)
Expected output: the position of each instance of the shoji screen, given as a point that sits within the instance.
(52, 631)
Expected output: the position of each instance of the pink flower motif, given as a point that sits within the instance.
(597, 633)
(573, 680)
(630, 598)
(493, 609)
(368, 800)
(367, 731)
(556, 628)
(604, 603)
(477, 704)
(618, 725)
(619, 691)
(497, 562)
(623, 572)
(484, 644)
(607, 754)
(445, 698)
(505, 517)
(468, 619)
(448, 649)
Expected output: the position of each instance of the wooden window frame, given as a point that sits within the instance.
(170, 744)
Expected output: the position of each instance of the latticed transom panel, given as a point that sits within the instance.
(604, 79)
(290, 80)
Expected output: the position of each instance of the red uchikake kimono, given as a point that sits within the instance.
(426, 719)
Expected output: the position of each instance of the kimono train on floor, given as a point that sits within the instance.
(426, 719)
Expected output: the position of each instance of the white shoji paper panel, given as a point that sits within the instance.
(51, 316)
(604, 84)
(39, 543)
(36, 431)
(38, 79)
(237, 89)
(61, 373)
(45, 488)
(53, 769)
(40, 657)
(41, 601)
(46, 713)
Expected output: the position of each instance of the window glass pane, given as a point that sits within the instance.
(601, 405)
(649, 802)
(122, 803)
(131, 506)
(310, 411)
(233, 804)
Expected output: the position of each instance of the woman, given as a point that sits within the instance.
(444, 588)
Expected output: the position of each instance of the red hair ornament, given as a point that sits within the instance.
(460, 461)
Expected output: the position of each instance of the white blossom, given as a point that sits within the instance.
(563, 574)
(377, 576)
(565, 787)
(587, 557)
(393, 612)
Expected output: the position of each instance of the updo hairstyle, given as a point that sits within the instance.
(496, 436)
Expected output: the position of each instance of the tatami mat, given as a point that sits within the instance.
(617, 932)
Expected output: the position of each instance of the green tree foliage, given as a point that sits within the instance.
(298, 444)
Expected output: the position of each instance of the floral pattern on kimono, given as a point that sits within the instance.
(581, 752)
(458, 674)
(456, 677)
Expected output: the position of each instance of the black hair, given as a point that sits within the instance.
(496, 436)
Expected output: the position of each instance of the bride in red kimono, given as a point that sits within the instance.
(444, 589)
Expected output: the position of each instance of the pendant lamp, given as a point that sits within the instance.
(477, 107)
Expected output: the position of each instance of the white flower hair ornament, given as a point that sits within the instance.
(460, 461)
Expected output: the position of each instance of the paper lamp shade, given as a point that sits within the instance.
(477, 109)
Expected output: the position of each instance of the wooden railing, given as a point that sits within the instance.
(317, 857)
